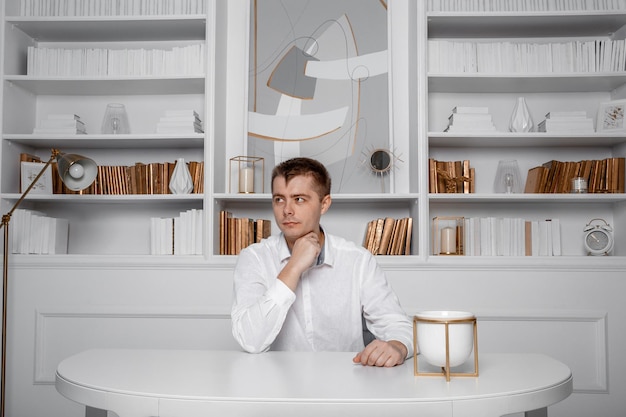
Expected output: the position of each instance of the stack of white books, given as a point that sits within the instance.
(468, 119)
(34, 233)
(180, 121)
(61, 124)
(180, 235)
(566, 122)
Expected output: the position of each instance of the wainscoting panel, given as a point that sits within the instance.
(578, 339)
(62, 333)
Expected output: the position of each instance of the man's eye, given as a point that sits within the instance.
(299, 199)
(278, 199)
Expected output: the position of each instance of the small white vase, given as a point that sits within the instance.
(181, 182)
(520, 118)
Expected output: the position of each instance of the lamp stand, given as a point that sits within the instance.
(6, 218)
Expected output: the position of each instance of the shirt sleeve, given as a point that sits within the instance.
(260, 303)
(382, 311)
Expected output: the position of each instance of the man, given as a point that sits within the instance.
(308, 290)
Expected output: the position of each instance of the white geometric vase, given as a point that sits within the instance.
(181, 182)
(520, 118)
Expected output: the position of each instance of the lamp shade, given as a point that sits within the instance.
(77, 172)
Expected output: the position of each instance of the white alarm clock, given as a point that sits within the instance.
(598, 237)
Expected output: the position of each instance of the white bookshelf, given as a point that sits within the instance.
(544, 92)
(120, 222)
(417, 121)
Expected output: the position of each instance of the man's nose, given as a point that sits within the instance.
(287, 208)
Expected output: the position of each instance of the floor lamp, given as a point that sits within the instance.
(77, 173)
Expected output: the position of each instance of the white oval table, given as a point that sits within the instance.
(174, 383)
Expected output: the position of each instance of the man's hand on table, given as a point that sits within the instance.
(381, 353)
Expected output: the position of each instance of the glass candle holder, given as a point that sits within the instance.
(508, 178)
(448, 235)
(578, 185)
(246, 169)
(115, 120)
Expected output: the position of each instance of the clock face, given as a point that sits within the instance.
(598, 241)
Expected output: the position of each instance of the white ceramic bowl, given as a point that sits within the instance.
(431, 337)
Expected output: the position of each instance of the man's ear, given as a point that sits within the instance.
(326, 202)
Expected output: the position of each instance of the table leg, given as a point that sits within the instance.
(540, 412)
(95, 412)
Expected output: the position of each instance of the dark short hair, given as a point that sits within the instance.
(304, 166)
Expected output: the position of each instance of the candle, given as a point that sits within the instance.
(448, 240)
(246, 180)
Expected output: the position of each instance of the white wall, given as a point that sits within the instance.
(574, 316)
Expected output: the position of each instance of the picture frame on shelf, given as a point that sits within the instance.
(29, 171)
(611, 116)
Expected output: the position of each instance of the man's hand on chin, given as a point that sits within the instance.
(381, 353)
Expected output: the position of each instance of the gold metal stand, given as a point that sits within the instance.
(445, 370)
(74, 181)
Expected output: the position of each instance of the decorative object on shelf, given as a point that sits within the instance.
(578, 185)
(598, 237)
(611, 116)
(115, 120)
(181, 181)
(61, 124)
(450, 176)
(468, 119)
(246, 169)
(77, 172)
(445, 339)
(575, 121)
(380, 162)
(448, 235)
(521, 121)
(180, 122)
(30, 171)
(508, 178)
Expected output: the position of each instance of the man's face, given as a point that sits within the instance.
(297, 206)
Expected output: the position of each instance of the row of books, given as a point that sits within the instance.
(575, 121)
(591, 56)
(180, 121)
(110, 7)
(98, 62)
(150, 178)
(68, 124)
(494, 236)
(524, 5)
(602, 175)
(470, 119)
(33, 232)
(389, 236)
(451, 176)
(237, 233)
(180, 235)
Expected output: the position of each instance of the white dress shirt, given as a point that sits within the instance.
(325, 313)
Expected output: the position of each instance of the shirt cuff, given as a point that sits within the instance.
(281, 293)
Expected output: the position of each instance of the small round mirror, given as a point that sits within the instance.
(380, 160)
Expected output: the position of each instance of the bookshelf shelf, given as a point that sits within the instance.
(525, 83)
(112, 29)
(524, 24)
(533, 139)
(336, 198)
(135, 199)
(109, 85)
(100, 141)
(527, 198)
